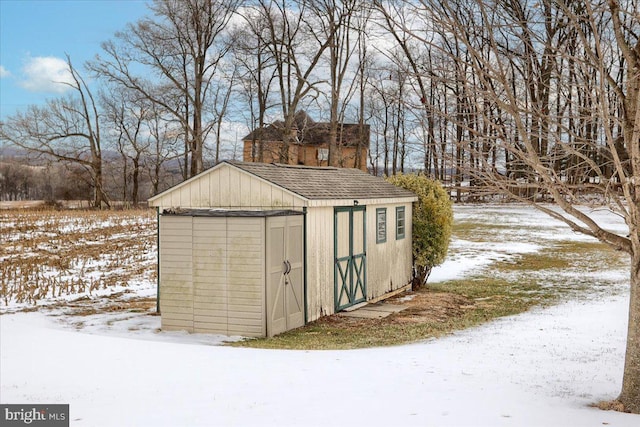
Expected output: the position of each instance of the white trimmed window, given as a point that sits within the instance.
(400, 223)
(323, 154)
(381, 225)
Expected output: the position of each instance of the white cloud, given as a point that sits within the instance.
(4, 72)
(46, 74)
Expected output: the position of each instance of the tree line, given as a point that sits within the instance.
(169, 85)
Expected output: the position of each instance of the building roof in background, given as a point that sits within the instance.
(310, 132)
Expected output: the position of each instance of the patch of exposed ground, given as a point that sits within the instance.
(610, 405)
(428, 306)
(423, 306)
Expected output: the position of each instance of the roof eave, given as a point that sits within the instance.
(361, 201)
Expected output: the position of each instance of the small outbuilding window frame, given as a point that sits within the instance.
(323, 154)
(381, 225)
(400, 223)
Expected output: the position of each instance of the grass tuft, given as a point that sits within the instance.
(610, 405)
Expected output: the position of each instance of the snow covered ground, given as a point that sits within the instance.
(541, 368)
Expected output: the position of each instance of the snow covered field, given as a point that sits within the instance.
(48, 256)
(541, 368)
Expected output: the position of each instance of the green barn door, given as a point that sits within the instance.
(349, 227)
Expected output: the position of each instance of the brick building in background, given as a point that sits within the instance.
(309, 144)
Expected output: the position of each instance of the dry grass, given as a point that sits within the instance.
(432, 312)
(507, 288)
(51, 254)
(610, 405)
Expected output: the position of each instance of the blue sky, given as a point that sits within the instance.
(35, 35)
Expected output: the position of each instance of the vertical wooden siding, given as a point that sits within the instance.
(228, 187)
(389, 263)
(320, 262)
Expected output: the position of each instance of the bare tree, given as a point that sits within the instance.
(524, 114)
(129, 118)
(66, 128)
(398, 22)
(340, 17)
(182, 46)
(296, 38)
(364, 61)
(387, 90)
(222, 91)
(16, 180)
(166, 138)
(380, 103)
(256, 69)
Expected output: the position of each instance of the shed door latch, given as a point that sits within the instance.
(286, 269)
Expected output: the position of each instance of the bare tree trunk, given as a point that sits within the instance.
(297, 38)
(363, 140)
(135, 178)
(183, 46)
(631, 379)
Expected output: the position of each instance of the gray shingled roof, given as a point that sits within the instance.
(324, 182)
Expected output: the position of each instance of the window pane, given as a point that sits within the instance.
(400, 223)
(381, 225)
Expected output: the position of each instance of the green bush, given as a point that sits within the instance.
(432, 223)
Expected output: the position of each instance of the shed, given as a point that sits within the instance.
(255, 249)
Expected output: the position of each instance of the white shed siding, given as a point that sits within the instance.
(320, 263)
(389, 263)
(227, 187)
